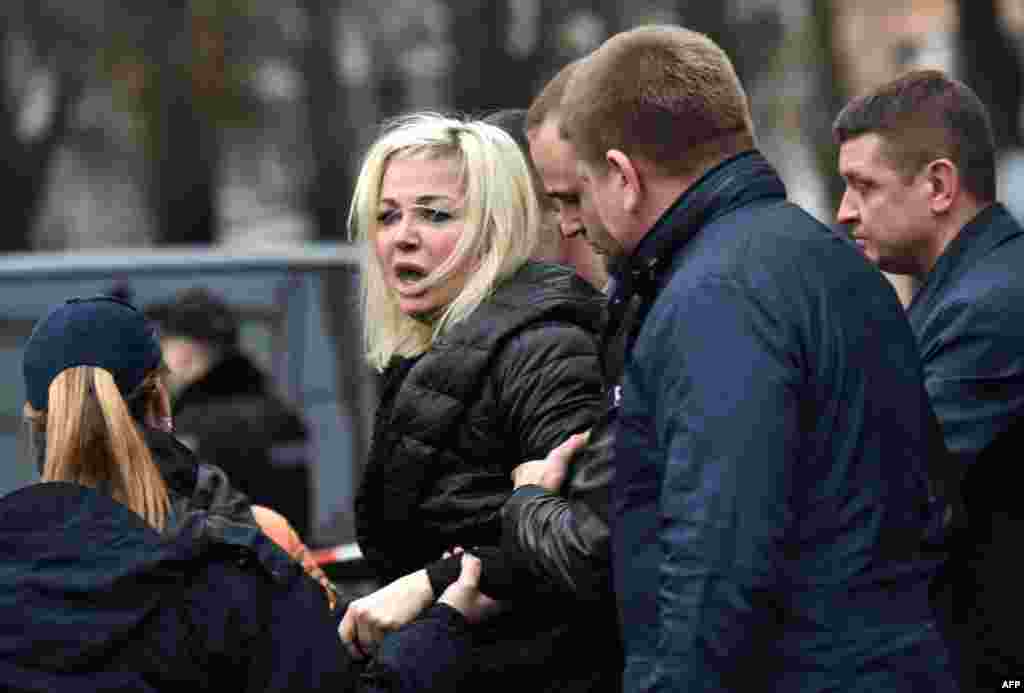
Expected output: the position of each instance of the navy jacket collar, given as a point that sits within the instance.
(734, 182)
(989, 228)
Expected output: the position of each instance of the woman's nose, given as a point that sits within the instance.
(407, 235)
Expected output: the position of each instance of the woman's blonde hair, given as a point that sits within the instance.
(500, 211)
(92, 439)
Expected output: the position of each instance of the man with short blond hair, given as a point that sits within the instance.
(774, 437)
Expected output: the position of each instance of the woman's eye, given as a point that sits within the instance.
(387, 217)
(434, 216)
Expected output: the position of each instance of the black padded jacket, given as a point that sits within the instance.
(502, 387)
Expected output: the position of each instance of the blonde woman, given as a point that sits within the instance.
(488, 357)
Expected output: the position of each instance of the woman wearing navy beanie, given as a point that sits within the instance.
(132, 566)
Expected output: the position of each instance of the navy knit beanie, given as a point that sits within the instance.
(100, 331)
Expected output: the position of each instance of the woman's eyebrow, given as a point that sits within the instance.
(432, 199)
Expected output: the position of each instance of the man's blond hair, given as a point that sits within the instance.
(665, 94)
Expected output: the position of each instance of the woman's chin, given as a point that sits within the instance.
(418, 309)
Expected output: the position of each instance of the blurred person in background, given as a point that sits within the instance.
(774, 439)
(918, 157)
(226, 408)
(489, 358)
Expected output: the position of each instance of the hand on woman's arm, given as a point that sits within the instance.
(464, 594)
(368, 619)
(550, 472)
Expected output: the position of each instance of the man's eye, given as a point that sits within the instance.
(387, 217)
(860, 185)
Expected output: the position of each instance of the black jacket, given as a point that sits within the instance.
(565, 536)
(232, 418)
(978, 593)
(505, 386)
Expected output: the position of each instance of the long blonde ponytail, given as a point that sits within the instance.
(92, 439)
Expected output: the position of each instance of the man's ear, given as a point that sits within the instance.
(944, 179)
(628, 177)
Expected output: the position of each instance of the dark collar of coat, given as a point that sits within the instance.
(234, 375)
(728, 185)
(992, 226)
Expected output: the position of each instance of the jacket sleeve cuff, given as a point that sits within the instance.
(442, 573)
(447, 616)
(510, 512)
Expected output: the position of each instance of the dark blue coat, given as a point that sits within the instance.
(771, 483)
(969, 320)
(92, 598)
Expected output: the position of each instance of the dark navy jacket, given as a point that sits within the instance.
(772, 452)
(92, 598)
(969, 320)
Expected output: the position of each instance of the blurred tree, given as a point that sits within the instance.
(829, 97)
(51, 46)
(184, 61)
(330, 131)
(990, 64)
(172, 64)
(505, 50)
(713, 19)
(483, 74)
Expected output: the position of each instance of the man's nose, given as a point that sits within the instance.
(847, 212)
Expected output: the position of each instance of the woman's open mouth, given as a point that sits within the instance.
(408, 275)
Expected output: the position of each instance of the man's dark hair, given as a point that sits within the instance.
(198, 314)
(922, 116)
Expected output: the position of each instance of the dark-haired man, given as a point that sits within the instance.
(227, 409)
(771, 450)
(918, 158)
(555, 161)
